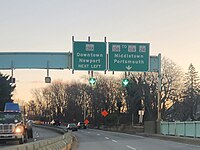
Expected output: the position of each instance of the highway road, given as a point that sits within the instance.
(90, 139)
(38, 134)
(42, 133)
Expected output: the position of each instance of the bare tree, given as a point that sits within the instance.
(171, 88)
(38, 99)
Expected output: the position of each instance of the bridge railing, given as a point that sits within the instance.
(186, 129)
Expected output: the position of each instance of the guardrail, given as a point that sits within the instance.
(186, 129)
(63, 142)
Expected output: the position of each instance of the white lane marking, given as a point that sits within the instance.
(88, 132)
(107, 138)
(114, 141)
(98, 134)
(131, 147)
(137, 136)
(37, 134)
(118, 133)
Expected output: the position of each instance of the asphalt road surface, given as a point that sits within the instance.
(90, 139)
(42, 133)
(38, 134)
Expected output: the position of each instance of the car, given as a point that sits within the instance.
(81, 125)
(72, 126)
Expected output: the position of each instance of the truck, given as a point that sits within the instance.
(13, 126)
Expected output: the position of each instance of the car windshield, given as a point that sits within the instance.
(10, 117)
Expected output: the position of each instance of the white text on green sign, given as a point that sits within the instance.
(89, 56)
(128, 56)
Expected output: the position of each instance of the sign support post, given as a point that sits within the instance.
(12, 73)
(159, 94)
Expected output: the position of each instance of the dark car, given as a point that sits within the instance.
(72, 126)
(81, 125)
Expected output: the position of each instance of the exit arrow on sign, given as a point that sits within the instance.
(128, 67)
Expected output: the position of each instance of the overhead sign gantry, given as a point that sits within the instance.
(35, 60)
(86, 55)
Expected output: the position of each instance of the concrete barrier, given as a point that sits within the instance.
(186, 140)
(150, 127)
(124, 128)
(62, 142)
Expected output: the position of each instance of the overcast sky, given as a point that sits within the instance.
(172, 27)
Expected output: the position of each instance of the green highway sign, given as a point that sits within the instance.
(89, 56)
(128, 57)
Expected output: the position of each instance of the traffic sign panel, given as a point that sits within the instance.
(104, 113)
(92, 81)
(86, 121)
(89, 56)
(125, 82)
(155, 63)
(128, 56)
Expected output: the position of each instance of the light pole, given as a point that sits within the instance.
(84, 104)
(159, 94)
(159, 98)
(84, 109)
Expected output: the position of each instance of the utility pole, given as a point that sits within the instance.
(159, 94)
(84, 113)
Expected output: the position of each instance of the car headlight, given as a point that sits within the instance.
(19, 129)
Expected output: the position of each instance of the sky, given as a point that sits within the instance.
(172, 27)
